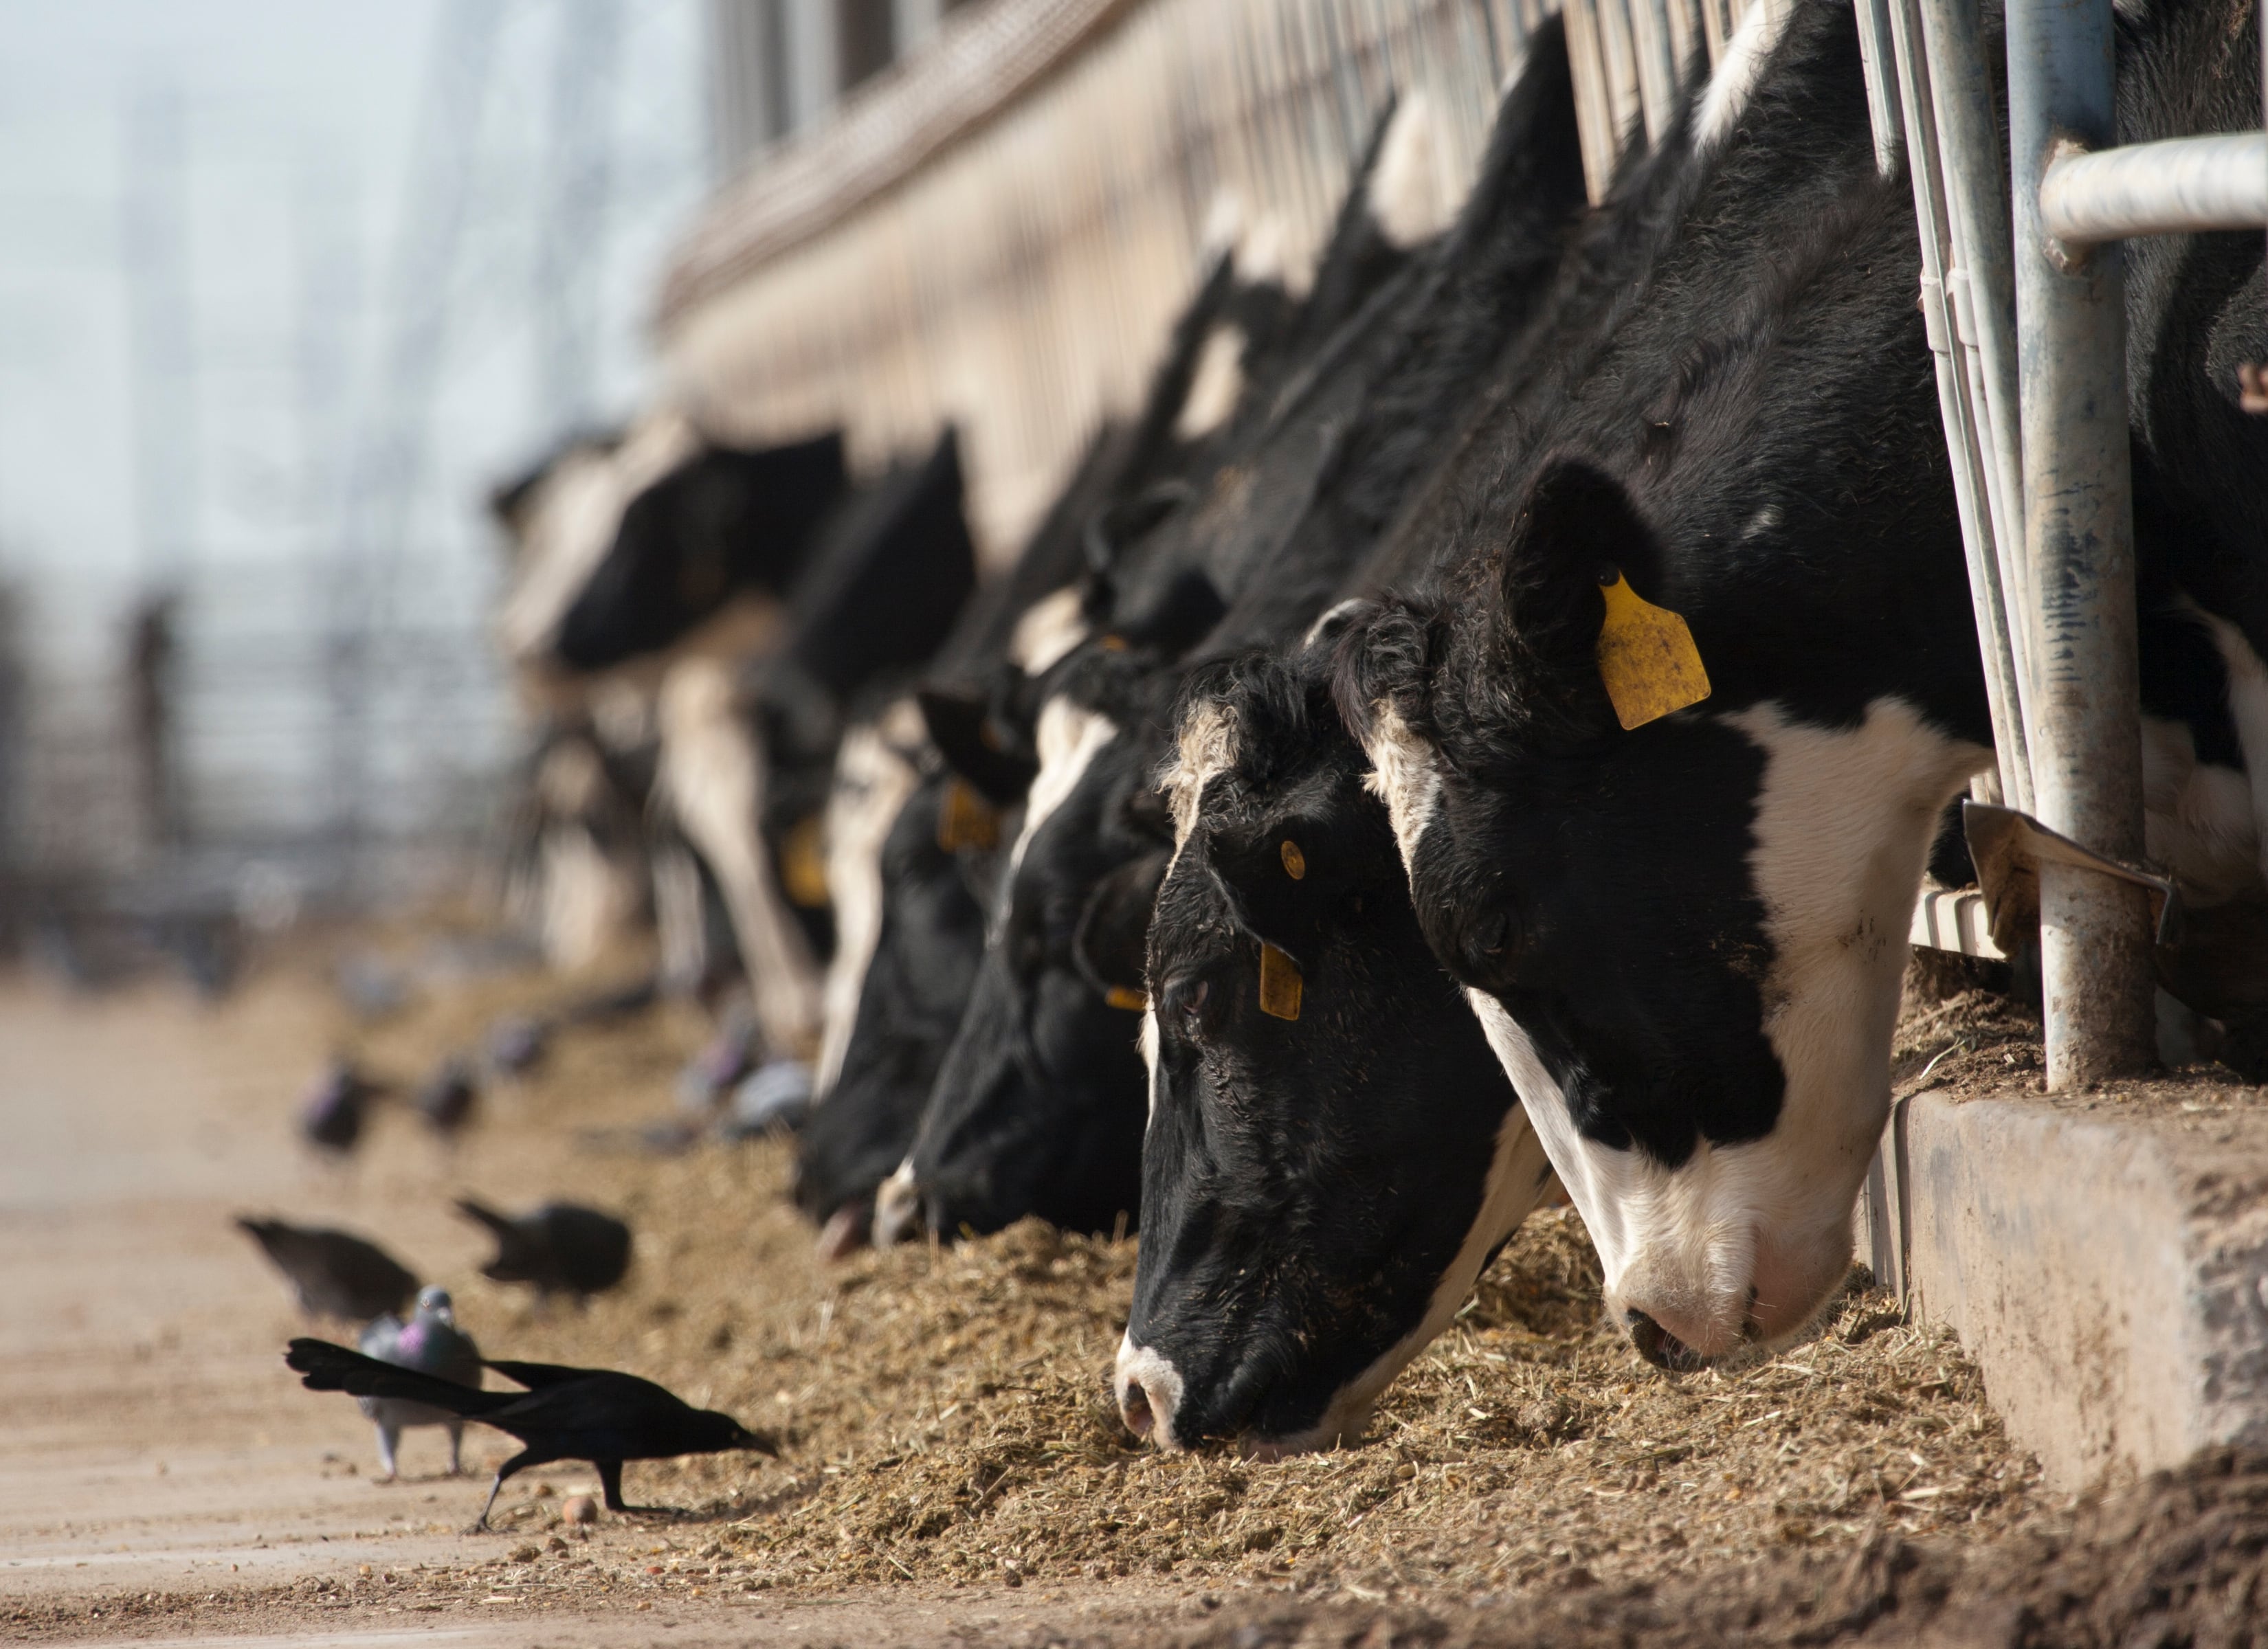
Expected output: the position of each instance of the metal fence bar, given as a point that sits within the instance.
(2179, 185)
(1982, 288)
(2096, 958)
(1903, 92)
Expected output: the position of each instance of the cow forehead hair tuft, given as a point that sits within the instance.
(1207, 745)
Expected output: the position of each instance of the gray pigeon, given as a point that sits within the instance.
(431, 1344)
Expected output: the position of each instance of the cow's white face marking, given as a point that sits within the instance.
(1161, 1384)
(1069, 736)
(1207, 745)
(1404, 776)
(1148, 1042)
(874, 774)
(710, 776)
(1738, 70)
(1047, 630)
(1519, 1171)
(1406, 198)
(1215, 385)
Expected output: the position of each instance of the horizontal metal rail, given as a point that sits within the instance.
(2179, 185)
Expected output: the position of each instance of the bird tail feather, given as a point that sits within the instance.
(327, 1367)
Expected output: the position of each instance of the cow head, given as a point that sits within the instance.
(1038, 1109)
(1333, 1154)
(934, 872)
(1683, 938)
(722, 521)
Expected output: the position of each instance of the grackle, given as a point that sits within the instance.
(593, 1414)
(334, 1274)
(560, 1248)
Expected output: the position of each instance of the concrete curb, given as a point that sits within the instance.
(2104, 1261)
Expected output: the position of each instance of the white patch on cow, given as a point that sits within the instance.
(874, 774)
(1761, 522)
(1207, 745)
(1519, 1171)
(1160, 1383)
(2198, 819)
(2248, 707)
(711, 777)
(1224, 224)
(1069, 735)
(1404, 777)
(1738, 70)
(587, 898)
(1216, 384)
(1047, 630)
(1406, 197)
(569, 524)
(1147, 1042)
(897, 1207)
(680, 926)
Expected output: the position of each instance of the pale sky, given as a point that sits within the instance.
(300, 120)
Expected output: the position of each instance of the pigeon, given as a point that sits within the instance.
(560, 1248)
(335, 1275)
(333, 1113)
(448, 1096)
(775, 1100)
(593, 1414)
(431, 1344)
(516, 1044)
(728, 1060)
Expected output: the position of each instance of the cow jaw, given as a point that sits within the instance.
(1519, 1171)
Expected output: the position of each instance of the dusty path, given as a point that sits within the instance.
(162, 1477)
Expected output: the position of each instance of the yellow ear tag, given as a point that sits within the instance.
(1279, 983)
(1647, 657)
(1295, 863)
(1120, 997)
(966, 819)
(803, 864)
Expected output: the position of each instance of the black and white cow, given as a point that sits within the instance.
(1684, 939)
(719, 522)
(1239, 335)
(1039, 1093)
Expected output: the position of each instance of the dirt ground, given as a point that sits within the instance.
(952, 1470)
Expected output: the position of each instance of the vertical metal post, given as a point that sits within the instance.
(2096, 954)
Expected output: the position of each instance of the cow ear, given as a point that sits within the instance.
(1113, 938)
(1576, 529)
(961, 725)
(1582, 637)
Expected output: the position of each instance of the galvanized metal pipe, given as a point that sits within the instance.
(2179, 185)
(1907, 95)
(2095, 957)
(1985, 306)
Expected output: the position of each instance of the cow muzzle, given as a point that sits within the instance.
(1149, 1390)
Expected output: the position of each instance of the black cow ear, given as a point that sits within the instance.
(961, 725)
(1576, 533)
(1113, 939)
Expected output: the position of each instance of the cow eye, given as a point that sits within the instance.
(1194, 1000)
(1185, 999)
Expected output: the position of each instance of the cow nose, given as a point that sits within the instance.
(1659, 1346)
(1134, 1408)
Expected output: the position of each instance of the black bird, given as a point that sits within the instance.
(593, 1414)
(336, 1274)
(448, 1096)
(561, 1248)
(333, 1113)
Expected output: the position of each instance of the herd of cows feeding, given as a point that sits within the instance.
(1475, 731)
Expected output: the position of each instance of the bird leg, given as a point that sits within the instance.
(610, 1477)
(456, 1444)
(389, 1438)
(481, 1523)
